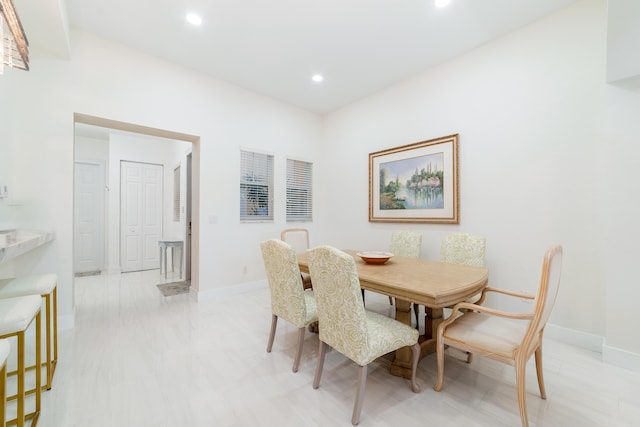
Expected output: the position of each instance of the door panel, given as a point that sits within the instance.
(141, 215)
(88, 217)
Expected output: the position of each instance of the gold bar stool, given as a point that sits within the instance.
(44, 285)
(16, 315)
(5, 347)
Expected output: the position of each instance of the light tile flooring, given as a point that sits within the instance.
(136, 358)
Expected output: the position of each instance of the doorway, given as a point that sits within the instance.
(187, 227)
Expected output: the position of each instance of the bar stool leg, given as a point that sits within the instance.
(21, 417)
(55, 330)
(48, 363)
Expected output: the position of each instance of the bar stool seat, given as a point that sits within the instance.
(5, 348)
(44, 285)
(16, 315)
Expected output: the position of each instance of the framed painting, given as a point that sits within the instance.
(415, 182)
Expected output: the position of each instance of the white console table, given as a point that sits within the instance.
(173, 244)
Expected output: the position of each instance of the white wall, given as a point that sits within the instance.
(622, 206)
(104, 79)
(623, 40)
(529, 110)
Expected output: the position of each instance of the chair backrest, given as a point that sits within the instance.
(547, 293)
(298, 238)
(285, 282)
(406, 243)
(463, 248)
(342, 321)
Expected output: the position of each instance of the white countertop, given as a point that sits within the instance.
(25, 241)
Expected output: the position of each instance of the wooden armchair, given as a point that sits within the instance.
(511, 338)
(298, 238)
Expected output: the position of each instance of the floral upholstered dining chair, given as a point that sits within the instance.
(408, 244)
(289, 300)
(464, 249)
(346, 326)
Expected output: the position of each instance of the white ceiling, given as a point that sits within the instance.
(274, 47)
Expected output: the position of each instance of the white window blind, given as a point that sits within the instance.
(176, 194)
(299, 191)
(256, 186)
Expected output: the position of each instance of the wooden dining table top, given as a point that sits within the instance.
(433, 284)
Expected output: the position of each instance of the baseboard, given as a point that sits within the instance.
(622, 358)
(580, 339)
(229, 290)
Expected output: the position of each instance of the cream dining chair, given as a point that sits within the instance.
(298, 238)
(288, 298)
(346, 326)
(465, 249)
(407, 244)
(507, 337)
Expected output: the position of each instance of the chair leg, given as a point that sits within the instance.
(362, 382)
(522, 396)
(296, 361)
(272, 334)
(322, 349)
(538, 355)
(440, 360)
(415, 353)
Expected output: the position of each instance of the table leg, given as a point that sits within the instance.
(401, 365)
(181, 259)
(173, 253)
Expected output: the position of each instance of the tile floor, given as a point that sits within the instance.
(136, 358)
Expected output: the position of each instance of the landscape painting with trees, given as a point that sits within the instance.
(415, 182)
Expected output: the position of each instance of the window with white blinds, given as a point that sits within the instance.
(176, 194)
(256, 186)
(299, 191)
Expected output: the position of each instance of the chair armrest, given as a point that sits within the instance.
(482, 309)
(488, 289)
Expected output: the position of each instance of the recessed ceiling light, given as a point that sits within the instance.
(317, 78)
(442, 3)
(194, 19)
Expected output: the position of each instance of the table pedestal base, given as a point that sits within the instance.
(401, 365)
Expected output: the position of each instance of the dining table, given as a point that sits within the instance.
(433, 284)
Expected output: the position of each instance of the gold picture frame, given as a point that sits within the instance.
(415, 183)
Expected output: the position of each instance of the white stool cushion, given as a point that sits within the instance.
(5, 347)
(40, 284)
(17, 313)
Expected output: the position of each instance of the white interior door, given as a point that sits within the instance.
(140, 215)
(88, 217)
